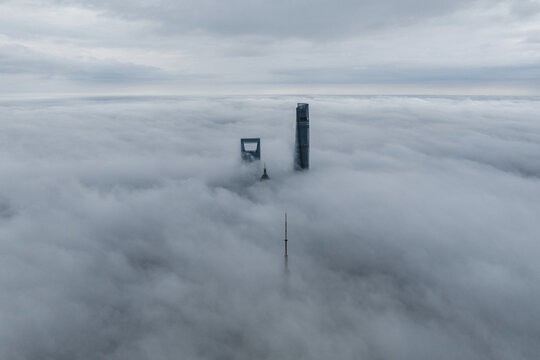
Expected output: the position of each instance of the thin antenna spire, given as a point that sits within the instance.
(286, 235)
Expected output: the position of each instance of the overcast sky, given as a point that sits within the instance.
(246, 46)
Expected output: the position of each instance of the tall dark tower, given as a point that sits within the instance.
(301, 146)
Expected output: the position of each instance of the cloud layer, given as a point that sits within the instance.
(129, 229)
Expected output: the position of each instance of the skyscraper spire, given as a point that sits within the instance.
(265, 175)
(286, 254)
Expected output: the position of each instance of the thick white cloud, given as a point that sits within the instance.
(129, 229)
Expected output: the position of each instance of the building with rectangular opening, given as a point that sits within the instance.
(250, 149)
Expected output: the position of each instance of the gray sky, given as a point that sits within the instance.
(240, 46)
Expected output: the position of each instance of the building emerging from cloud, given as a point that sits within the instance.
(301, 147)
(250, 149)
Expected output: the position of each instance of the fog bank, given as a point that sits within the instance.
(130, 229)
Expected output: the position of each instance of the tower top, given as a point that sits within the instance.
(302, 112)
(250, 149)
(265, 175)
(301, 144)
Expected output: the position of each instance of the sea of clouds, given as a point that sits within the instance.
(129, 229)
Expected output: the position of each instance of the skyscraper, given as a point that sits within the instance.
(301, 147)
(250, 149)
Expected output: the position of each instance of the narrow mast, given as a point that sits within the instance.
(286, 235)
